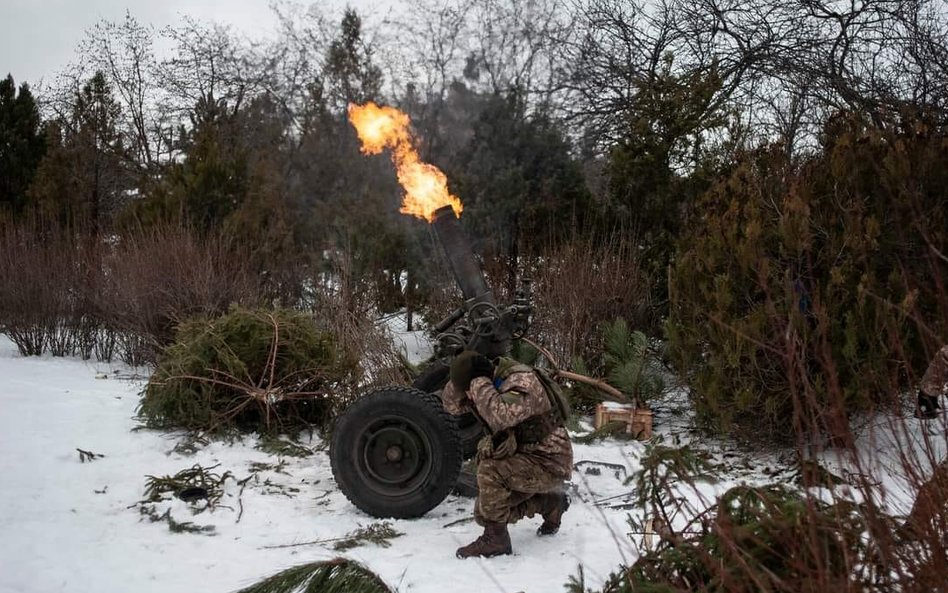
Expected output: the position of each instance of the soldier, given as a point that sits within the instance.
(526, 457)
(933, 385)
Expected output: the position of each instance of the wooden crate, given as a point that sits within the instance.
(638, 421)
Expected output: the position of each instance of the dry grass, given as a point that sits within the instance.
(582, 284)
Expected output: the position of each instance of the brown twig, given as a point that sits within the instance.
(599, 384)
(545, 352)
(309, 543)
(461, 521)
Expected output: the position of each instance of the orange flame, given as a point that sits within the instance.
(426, 187)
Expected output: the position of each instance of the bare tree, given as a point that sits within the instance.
(293, 63)
(783, 66)
(209, 65)
(123, 51)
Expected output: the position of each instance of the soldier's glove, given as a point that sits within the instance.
(468, 365)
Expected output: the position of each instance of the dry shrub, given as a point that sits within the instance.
(582, 284)
(45, 276)
(159, 276)
(263, 370)
(501, 273)
(345, 307)
(443, 298)
(66, 291)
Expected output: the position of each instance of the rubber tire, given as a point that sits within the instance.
(432, 380)
(437, 435)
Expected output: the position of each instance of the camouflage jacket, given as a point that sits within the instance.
(518, 397)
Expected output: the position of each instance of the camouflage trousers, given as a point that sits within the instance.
(936, 376)
(508, 488)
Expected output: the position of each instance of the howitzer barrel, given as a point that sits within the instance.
(467, 272)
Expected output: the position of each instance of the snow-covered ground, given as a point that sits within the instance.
(73, 526)
(69, 525)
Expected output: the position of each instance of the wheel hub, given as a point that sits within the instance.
(395, 455)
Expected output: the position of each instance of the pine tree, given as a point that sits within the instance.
(22, 143)
(351, 75)
(84, 175)
(804, 292)
(518, 180)
(663, 159)
(210, 180)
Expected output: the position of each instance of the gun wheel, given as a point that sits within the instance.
(396, 453)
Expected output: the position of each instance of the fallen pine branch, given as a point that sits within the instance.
(377, 533)
(326, 576)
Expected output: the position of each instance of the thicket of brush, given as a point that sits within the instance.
(580, 285)
(805, 293)
(67, 291)
(822, 532)
(47, 284)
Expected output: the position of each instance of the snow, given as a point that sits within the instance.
(414, 345)
(617, 406)
(898, 453)
(74, 526)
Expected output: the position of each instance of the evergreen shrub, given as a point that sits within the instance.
(250, 369)
(803, 292)
(628, 361)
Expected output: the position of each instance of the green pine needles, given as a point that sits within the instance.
(326, 576)
(629, 362)
(376, 533)
(631, 365)
(268, 371)
(807, 288)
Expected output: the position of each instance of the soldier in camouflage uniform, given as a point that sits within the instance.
(933, 385)
(526, 457)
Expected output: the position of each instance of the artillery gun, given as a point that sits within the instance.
(395, 452)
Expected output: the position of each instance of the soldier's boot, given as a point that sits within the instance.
(552, 507)
(495, 541)
(927, 405)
